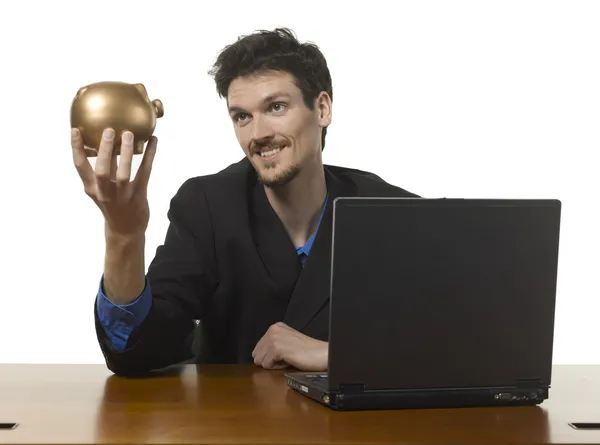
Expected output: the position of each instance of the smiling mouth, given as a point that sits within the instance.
(271, 153)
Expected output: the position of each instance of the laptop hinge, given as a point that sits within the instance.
(529, 383)
(352, 388)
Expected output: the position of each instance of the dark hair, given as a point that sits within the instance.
(277, 50)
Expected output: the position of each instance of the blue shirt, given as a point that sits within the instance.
(119, 321)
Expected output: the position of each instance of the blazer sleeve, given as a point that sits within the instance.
(182, 278)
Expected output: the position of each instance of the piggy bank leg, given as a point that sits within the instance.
(138, 148)
(90, 152)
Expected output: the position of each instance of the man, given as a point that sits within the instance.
(247, 250)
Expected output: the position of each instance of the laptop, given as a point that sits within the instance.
(439, 303)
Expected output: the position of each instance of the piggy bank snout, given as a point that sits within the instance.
(158, 107)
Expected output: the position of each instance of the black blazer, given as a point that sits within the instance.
(228, 261)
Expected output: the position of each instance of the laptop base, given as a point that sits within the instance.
(353, 399)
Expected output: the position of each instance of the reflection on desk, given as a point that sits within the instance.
(245, 404)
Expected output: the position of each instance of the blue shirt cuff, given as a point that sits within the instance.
(118, 321)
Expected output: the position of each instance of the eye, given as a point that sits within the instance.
(278, 106)
(240, 117)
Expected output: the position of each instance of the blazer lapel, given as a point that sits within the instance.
(312, 289)
(273, 243)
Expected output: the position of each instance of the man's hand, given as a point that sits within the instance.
(283, 346)
(124, 204)
(123, 201)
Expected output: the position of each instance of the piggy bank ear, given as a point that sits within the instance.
(81, 91)
(142, 89)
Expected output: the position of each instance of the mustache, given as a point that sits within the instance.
(270, 142)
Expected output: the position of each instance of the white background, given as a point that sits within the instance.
(447, 98)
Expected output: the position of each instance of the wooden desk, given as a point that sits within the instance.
(57, 404)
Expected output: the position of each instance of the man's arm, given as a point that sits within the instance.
(181, 276)
(119, 320)
(180, 279)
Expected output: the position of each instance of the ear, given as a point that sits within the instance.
(81, 90)
(323, 107)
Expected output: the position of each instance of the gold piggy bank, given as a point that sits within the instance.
(117, 105)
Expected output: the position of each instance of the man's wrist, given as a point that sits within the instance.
(124, 241)
(124, 267)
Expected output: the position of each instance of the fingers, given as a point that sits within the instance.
(273, 361)
(82, 164)
(268, 358)
(282, 346)
(259, 355)
(103, 164)
(113, 166)
(143, 174)
(259, 351)
(108, 171)
(268, 352)
(123, 173)
(280, 365)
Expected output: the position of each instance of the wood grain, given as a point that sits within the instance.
(85, 404)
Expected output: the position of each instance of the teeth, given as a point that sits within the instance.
(266, 154)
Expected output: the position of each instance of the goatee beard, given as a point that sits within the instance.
(280, 180)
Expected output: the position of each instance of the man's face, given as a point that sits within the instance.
(279, 134)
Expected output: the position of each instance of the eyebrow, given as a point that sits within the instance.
(266, 100)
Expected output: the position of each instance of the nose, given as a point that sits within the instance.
(261, 130)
